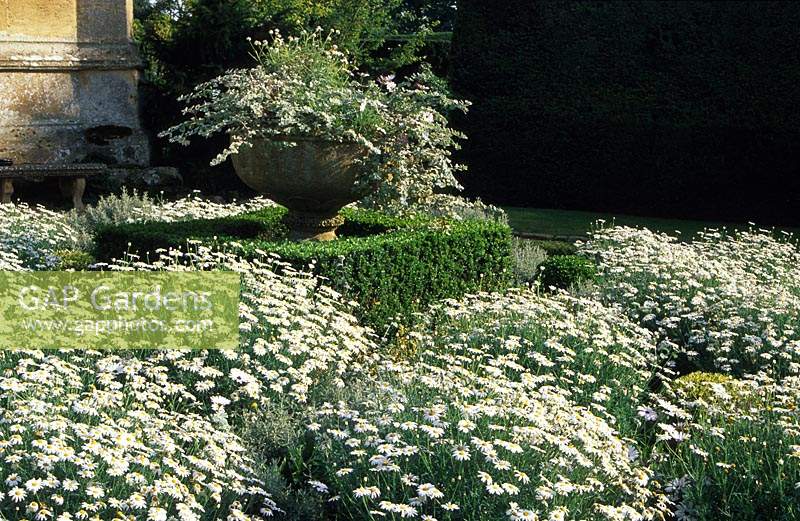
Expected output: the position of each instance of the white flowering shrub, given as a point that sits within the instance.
(728, 447)
(725, 444)
(30, 235)
(296, 337)
(725, 302)
(10, 262)
(87, 436)
(499, 415)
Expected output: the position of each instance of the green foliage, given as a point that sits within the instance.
(553, 248)
(565, 271)
(380, 34)
(702, 378)
(297, 504)
(271, 440)
(73, 260)
(413, 262)
(661, 108)
(110, 209)
(738, 460)
(185, 42)
(274, 434)
(754, 484)
(365, 26)
(441, 12)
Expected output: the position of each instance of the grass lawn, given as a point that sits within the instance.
(570, 223)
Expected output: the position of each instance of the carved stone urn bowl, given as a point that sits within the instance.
(314, 179)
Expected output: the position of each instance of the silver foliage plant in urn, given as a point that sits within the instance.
(312, 133)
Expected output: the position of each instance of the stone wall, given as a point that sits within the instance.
(68, 82)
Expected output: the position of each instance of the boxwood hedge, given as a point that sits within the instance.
(668, 108)
(392, 267)
(564, 271)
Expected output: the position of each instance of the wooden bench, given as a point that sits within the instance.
(71, 178)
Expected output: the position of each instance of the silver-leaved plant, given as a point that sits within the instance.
(306, 87)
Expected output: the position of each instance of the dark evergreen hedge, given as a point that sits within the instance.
(566, 271)
(684, 109)
(389, 266)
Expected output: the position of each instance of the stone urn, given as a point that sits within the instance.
(313, 179)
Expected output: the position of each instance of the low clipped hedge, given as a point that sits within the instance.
(392, 267)
(565, 271)
(553, 248)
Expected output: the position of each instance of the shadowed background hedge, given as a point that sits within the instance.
(683, 109)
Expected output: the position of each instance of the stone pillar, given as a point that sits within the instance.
(68, 76)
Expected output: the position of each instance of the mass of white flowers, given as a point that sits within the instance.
(89, 436)
(729, 302)
(32, 236)
(29, 235)
(669, 389)
(726, 305)
(502, 412)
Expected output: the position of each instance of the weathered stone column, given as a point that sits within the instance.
(68, 75)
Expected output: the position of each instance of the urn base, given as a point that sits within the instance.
(309, 226)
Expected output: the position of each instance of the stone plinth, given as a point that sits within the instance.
(68, 76)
